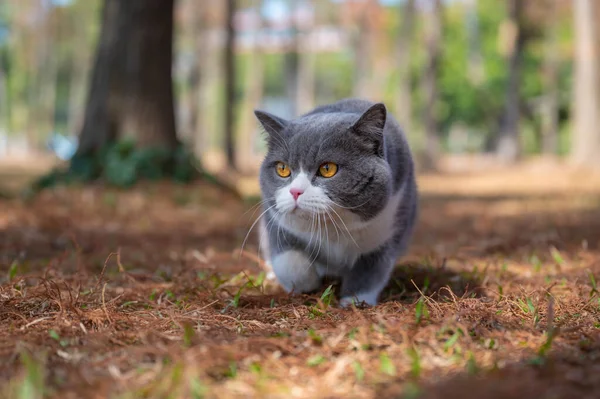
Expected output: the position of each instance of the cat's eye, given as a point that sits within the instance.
(328, 169)
(282, 169)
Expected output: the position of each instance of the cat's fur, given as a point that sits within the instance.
(352, 226)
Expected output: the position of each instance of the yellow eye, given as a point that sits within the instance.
(328, 169)
(283, 170)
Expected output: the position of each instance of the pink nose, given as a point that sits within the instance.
(296, 192)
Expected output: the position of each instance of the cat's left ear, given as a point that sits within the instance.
(369, 127)
(271, 123)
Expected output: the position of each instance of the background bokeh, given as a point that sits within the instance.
(463, 76)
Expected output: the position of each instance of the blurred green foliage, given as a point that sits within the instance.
(122, 164)
(466, 102)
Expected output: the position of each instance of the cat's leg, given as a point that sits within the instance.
(296, 272)
(367, 278)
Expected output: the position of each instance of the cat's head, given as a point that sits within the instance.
(327, 164)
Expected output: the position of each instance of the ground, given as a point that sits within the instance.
(146, 293)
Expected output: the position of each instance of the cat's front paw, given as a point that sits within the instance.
(270, 274)
(295, 272)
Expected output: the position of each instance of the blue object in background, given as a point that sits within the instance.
(64, 147)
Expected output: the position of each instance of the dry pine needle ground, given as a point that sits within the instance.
(145, 294)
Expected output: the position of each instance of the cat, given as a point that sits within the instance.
(339, 198)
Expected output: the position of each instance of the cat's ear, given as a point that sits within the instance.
(271, 123)
(369, 127)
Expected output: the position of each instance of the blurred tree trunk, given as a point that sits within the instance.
(4, 97)
(81, 56)
(230, 80)
(508, 147)
(77, 86)
(306, 69)
(49, 72)
(292, 62)
(254, 81)
(362, 53)
(43, 80)
(5, 100)
(381, 57)
(131, 93)
(434, 26)
(586, 99)
(550, 81)
(476, 68)
(404, 56)
(299, 64)
(195, 130)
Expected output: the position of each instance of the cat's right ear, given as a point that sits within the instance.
(272, 124)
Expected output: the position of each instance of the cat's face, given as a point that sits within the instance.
(325, 166)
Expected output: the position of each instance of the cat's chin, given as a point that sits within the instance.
(299, 220)
(301, 214)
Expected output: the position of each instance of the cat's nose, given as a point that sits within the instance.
(296, 192)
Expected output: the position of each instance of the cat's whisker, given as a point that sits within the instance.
(346, 227)
(350, 207)
(320, 238)
(268, 229)
(277, 214)
(256, 206)
(334, 224)
(313, 230)
(312, 221)
(272, 224)
(327, 238)
(320, 241)
(313, 233)
(251, 227)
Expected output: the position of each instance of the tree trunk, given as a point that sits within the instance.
(430, 89)
(586, 99)
(292, 62)
(76, 93)
(80, 66)
(306, 72)
(43, 85)
(195, 130)
(299, 66)
(550, 80)
(508, 146)
(475, 69)
(362, 47)
(5, 100)
(131, 93)
(404, 56)
(230, 80)
(254, 81)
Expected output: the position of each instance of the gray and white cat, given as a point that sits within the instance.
(340, 198)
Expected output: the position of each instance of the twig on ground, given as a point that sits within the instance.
(104, 304)
(36, 321)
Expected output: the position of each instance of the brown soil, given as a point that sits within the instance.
(145, 294)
